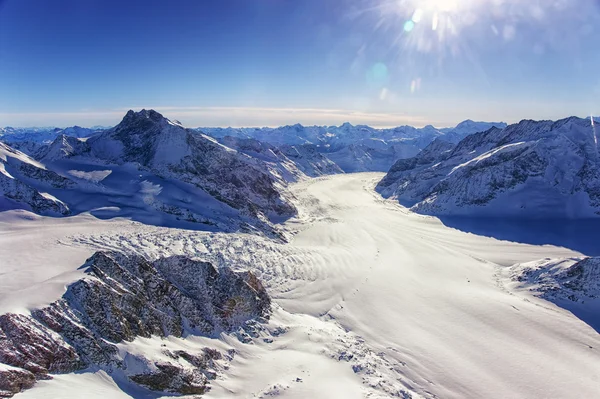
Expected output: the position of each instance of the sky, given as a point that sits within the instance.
(275, 62)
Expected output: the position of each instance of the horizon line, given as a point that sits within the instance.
(306, 117)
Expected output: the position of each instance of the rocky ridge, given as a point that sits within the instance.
(531, 169)
(123, 298)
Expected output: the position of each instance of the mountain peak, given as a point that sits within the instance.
(144, 114)
(466, 122)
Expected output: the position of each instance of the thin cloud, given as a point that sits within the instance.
(218, 116)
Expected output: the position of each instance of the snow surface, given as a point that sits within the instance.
(371, 301)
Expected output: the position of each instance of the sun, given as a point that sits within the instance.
(441, 5)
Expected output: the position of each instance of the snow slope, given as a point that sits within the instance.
(371, 300)
(24, 182)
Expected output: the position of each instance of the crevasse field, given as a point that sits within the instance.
(371, 300)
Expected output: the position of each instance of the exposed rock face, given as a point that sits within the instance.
(28, 344)
(530, 169)
(576, 280)
(169, 378)
(125, 297)
(14, 380)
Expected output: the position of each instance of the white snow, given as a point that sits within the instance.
(95, 176)
(35, 264)
(375, 300)
(8, 155)
(95, 385)
(485, 155)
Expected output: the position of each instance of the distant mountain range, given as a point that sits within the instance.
(353, 148)
(157, 171)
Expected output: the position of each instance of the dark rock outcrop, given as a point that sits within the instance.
(125, 297)
(14, 380)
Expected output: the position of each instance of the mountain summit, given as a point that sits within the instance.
(172, 151)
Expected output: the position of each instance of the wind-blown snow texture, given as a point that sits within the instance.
(531, 169)
(369, 300)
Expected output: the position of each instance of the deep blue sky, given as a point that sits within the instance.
(272, 62)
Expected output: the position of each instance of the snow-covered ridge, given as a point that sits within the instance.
(24, 182)
(353, 148)
(534, 169)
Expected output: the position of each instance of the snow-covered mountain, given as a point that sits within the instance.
(530, 169)
(571, 283)
(153, 170)
(62, 147)
(171, 151)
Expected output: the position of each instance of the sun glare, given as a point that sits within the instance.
(428, 25)
(441, 5)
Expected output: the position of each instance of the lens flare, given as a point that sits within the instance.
(426, 25)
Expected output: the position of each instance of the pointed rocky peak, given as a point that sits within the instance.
(63, 146)
(143, 116)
